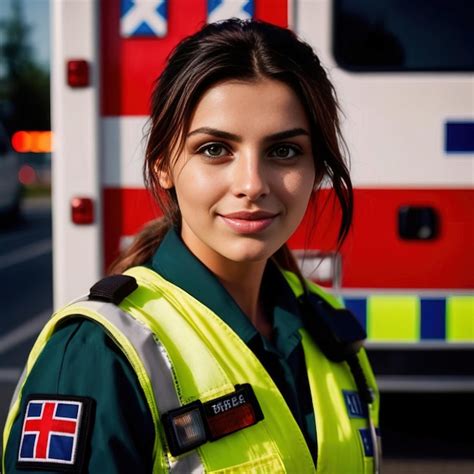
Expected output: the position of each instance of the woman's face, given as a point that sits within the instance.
(246, 172)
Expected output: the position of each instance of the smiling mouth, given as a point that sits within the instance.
(244, 222)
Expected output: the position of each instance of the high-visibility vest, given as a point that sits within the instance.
(182, 352)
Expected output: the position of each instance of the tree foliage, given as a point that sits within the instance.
(24, 83)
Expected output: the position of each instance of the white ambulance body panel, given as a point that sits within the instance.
(394, 121)
(77, 251)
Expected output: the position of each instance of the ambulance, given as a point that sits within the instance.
(403, 73)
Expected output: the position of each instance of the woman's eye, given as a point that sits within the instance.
(213, 150)
(285, 152)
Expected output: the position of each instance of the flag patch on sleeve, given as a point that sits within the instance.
(55, 432)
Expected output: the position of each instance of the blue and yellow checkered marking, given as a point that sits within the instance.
(433, 318)
(411, 318)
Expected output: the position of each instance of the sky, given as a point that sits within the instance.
(36, 14)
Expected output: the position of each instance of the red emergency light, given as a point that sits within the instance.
(78, 73)
(82, 210)
(27, 175)
(32, 141)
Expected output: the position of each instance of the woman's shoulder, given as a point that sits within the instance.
(80, 364)
(75, 329)
(298, 288)
(325, 294)
(77, 346)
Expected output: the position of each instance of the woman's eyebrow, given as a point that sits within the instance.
(236, 138)
(216, 133)
(294, 132)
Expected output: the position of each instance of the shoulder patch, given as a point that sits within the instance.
(55, 432)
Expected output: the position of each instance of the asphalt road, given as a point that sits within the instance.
(25, 290)
(422, 433)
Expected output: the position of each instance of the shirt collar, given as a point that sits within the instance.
(282, 302)
(178, 265)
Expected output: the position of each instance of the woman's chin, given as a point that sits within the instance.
(253, 251)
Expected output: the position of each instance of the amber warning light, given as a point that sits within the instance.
(32, 142)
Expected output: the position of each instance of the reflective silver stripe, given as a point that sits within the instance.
(151, 352)
(157, 365)
(16, 393)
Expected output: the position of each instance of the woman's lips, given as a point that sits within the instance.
(244, 222)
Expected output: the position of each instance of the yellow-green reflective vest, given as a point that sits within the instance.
(181, 352)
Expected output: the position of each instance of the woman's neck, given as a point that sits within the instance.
(241, 279)
(243, 282)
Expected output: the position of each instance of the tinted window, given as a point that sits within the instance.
(404, 35)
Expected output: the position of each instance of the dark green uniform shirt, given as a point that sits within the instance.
(80, 359)
(283, 357)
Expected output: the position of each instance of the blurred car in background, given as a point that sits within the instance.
(10, 186)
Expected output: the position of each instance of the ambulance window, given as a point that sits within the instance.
(403, 35)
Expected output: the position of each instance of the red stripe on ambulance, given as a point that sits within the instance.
(373, 256)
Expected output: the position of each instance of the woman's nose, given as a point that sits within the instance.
(250, 179)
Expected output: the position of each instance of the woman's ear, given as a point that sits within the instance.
(164, 178)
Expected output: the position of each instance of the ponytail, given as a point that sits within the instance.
(143, 246)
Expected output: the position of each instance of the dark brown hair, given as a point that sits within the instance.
(249, 51)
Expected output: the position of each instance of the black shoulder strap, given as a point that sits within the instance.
(337, 332)
(113, 289)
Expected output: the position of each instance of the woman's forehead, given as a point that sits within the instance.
(264, 104)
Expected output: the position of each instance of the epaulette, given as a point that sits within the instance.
(113, 289)
(336, 331)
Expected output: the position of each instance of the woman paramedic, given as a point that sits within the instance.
(206, 350)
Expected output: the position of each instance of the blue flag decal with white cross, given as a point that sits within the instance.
(222, 9)
(143, 18)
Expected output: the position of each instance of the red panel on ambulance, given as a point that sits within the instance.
(129, 66)
(373, 254)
